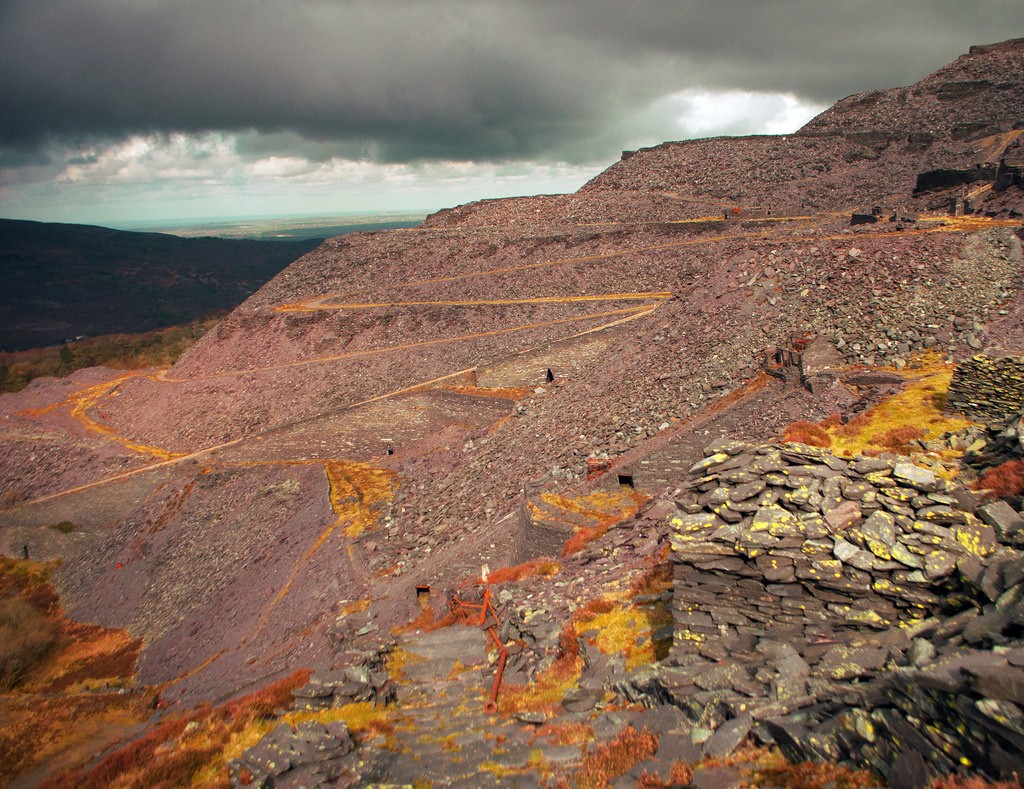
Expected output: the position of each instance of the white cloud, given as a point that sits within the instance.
(280, 167)
(147, 158)
(217, 174)
(704, 113)
(213, 175)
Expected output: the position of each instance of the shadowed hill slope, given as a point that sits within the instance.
(62, 281)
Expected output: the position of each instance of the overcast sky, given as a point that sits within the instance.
(121, 111)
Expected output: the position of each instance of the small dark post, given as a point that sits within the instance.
(24, 551)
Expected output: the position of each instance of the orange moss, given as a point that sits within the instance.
(599, 605)
(582, 538)
(528, 569)
(1004, 480)
(680, 774)
(565, 733)
(810, 775)
(262, 703)
(616, 758)
(174, 752)
(972, 782)
(803, 432)
(658, 579)
(897, 439)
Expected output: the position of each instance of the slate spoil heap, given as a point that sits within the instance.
(856, 610)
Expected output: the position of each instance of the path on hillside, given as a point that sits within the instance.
(91, 397)
(318, 303)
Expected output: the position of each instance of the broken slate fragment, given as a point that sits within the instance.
(777, 521)
(843, 517)
(728, 736)
(916, 477)
(708, 462)
(879, 527)
(1002, 517)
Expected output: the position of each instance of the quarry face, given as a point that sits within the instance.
(397, 411)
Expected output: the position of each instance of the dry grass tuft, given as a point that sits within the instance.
(807, 433)
(616, 758)
(854, 426)
(1004, 480)
(187, 750)
(31, 580)
(543, 566)
(897, 439)
(26, 636)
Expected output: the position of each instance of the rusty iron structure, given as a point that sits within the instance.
(488, 621)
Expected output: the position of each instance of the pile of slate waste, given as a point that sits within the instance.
(312, 753)
(854, 610)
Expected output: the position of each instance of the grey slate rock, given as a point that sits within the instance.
(1002, 517)
(909, 771)
(728, 736)
(674, 747)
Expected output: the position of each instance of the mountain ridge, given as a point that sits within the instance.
(395, 411)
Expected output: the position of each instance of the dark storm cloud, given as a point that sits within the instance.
(394, 80)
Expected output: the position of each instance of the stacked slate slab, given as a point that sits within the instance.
(310, 754)
(987, 388)
(793, 542)
(860, 610)
(313, 753)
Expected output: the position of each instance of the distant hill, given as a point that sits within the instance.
(63, 281)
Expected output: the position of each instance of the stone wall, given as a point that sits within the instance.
(536, 535)
(986, 388)
(798, 544)
(828, 605)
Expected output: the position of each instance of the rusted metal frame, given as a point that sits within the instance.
(486, 606)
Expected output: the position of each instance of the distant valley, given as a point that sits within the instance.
(66, 281)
